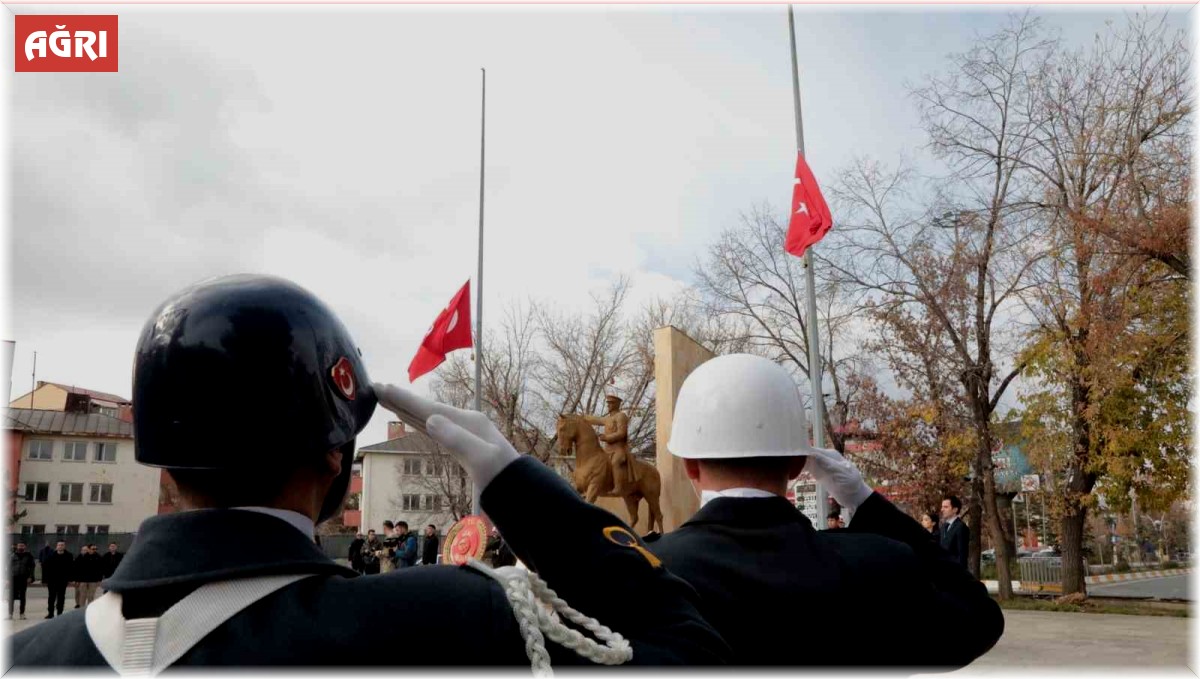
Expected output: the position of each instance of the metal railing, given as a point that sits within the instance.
(1041, 574)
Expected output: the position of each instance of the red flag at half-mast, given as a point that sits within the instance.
(451, 330)
(810, 215)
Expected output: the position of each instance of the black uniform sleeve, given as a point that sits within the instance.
(964, 543)
(968, 621)
(596, 564)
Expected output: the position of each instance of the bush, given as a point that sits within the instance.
(1123, 567)
(1167, 565)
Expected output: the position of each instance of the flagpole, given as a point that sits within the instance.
(814, 348)
(479, 276)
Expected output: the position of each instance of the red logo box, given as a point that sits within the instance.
(68, 43)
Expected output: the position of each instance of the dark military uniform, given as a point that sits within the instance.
(782, 593)
(455, 615)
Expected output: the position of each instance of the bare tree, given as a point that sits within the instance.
(750, 283)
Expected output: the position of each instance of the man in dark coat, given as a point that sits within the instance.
(429, 548)
(780, 592)
(111, 559)
(57, 570)
(355, 553)
(20, 574)
(89, 571)
(372, 554)
(251, 495)
(956, 535)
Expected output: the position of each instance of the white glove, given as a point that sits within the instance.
(841, 479)
(469, 436)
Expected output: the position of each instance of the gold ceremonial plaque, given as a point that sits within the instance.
(465, 541)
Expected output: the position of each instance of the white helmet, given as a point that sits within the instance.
(739, 405)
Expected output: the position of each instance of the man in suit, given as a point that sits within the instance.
(429, 548)
(267, 351)
(57, 569)
(111, 559)
(956, 535)
(780, 592)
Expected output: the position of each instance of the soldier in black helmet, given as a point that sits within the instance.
(250, 393)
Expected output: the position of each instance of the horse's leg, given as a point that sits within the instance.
(631, 506)
(652, 486)
(593, 491)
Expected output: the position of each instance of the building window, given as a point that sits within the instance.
(101, 529)
(33, 532)
(70, 492)
(411, 502)
(106, 452)
(412, 466)
(75, 451)
(434, 467)
(37, 492)
(111, 412)
(430, 503)
(41, 450)
(66, 529)
(101, 493)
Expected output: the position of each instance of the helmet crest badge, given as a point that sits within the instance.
(342, 374)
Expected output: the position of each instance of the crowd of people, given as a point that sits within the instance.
(59, 569)
(371, 554)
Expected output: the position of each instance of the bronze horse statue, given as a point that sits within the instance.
(593, 472)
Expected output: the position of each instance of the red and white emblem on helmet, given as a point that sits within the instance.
(343, 377)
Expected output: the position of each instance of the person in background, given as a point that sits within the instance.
(956, 536)
(20, 574)
(429, 550)
(406, 546)
(930, 523)
(355, 554)
(834, 520)
(111, 559)
(371, 550)
(387, 557)
(56, 573)
(89, 571)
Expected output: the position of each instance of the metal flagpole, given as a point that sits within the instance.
(479, 276)
(814, 349)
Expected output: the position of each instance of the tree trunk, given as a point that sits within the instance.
(1072, 549)
(975, 522)
(1007, 508)
(992, 518)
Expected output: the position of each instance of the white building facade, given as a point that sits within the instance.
(77, 474)
(408, 478)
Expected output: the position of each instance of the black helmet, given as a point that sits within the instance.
(246, 371)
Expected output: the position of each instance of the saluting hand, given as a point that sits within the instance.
(839, 476)
(469, 436)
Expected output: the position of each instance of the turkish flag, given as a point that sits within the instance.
(810, 215)
(451, 330)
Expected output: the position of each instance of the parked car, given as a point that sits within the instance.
(988, 556)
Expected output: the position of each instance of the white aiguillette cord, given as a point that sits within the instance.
(537, 609)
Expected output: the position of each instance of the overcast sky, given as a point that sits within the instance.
(339, 147)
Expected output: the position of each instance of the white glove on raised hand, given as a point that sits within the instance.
(469, 436)
(841, 479)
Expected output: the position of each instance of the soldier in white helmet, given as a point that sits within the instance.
(781, 592)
